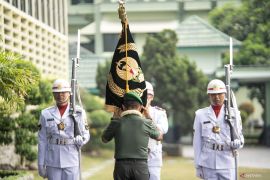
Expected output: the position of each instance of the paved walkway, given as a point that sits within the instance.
(255, 157)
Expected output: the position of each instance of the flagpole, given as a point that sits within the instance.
(123, 17)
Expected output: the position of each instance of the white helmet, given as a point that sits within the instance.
(61, 85)
(216, 86)
(149, 87)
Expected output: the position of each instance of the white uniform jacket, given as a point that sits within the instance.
(212, 150)
(50, 152)
(159, 117)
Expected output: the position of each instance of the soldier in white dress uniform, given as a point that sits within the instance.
(159, 117)
(58, 149)
(213, 147)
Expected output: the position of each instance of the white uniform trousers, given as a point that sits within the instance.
(69, 173)
(154, 172)
(218, 174)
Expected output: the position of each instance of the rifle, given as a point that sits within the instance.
(228, 99)
(75, 64)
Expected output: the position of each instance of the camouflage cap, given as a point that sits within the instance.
(132, 96)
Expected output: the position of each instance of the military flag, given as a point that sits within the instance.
(125, 73)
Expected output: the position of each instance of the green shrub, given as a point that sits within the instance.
(91, 102)
(12, 175)
(246, 109)
(98, 120)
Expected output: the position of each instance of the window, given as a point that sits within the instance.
(30, 7)
(43, 10)
(15, 3)
(74, 2)
(110, 41)
(36, 10)
(23, 5)
(89, 1)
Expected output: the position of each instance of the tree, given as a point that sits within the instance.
(101, 77)
(15, 77)
(97, 117)
(40, 93)
(25, 137)
(26, 124)
(246, 109)
(179, 86)
(20, 86)
(248, 23)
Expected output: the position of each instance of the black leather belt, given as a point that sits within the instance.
(131, 160)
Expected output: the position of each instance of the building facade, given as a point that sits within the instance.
(100, 25)
(99, 22)
(87, 66)
(203, 44)
(38, 31)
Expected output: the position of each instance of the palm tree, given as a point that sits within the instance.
(17, 76)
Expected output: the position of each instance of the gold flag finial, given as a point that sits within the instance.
(122, 11)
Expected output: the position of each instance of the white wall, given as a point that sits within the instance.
(208, 60)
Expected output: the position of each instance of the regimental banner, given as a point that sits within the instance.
(125, 69)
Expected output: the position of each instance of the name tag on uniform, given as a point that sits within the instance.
(51, 119)
(206, 122)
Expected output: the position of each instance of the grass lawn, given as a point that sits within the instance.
(174, 168)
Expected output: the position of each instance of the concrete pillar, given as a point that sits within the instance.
(26, 6)
(50, 18)
(98, 35)
(19, 4)
(56, 16)
(34, 9)
(267, 113)
(61, 14)
(65, 14)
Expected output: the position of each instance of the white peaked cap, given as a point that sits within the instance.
(216, 86)
(149, 87)
(61, 85)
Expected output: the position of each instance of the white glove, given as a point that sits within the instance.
(236, 144)
(42, 171)
(199, 172)
(78, 140)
